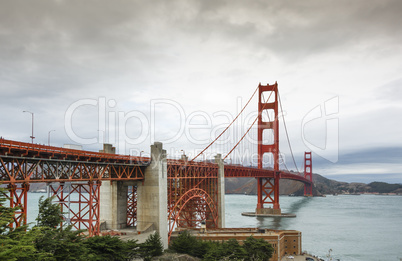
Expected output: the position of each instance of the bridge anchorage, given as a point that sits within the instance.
(156, 193)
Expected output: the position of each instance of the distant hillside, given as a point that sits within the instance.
(322, 186)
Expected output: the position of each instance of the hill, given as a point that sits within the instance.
(322, 186)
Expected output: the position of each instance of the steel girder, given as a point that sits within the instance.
(83, 213)
(132, 206)
(192, 194)
(308, 174)
(19, 169)
(18, 196)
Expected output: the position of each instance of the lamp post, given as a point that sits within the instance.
(32, 136)
(48, 137)
(140, 155)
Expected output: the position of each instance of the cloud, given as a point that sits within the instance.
(202, 55)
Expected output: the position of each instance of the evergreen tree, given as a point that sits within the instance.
(110, 248)
(185, 243)
(233, 250)
(6, 213)
(153, 245)
(61, 244)
(214, 252)
(50, 214)
(257, 249)
(15, 243)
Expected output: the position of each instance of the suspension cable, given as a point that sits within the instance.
(227, 126)
(249, 127)
(287, 135)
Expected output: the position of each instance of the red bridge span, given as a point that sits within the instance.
(143, 192)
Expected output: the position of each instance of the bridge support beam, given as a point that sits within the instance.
(113, 207)
(268, 188)
(221, 191)
(18, 197)
(113, 194)
(152, 195)
(308, 174)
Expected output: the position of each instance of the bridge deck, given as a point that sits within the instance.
(27, 162)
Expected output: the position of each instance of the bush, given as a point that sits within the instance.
(257, 249)
(50, 214)
(110, 248)
(152, 247)
(252, 249)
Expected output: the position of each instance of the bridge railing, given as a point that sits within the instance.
(11, 145)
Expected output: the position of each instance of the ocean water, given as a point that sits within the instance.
(365, 227)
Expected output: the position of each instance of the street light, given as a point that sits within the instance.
(32, 136)
(48, 137)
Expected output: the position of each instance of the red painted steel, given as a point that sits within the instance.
(192, 186)
(132, 206)
(17, 195)
(85, 209)
(23, 149)
(30, 170)
(308, 174)
(192, 194)
(265, 193)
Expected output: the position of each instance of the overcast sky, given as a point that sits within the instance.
(134, 72)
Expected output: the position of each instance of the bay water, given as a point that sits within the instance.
(364, 227)
(355, 227)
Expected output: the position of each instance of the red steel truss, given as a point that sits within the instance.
(23, 149)
(308, 174)
(25, 163)
(192, 194)
(17, 195)
(132, 206)
(268, 187)
(192, 186)
(81, 201)
(19, 169)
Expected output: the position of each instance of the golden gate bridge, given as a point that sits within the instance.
(193, 190)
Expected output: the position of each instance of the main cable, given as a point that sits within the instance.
(227, 126)
(249, 127)
(286, 130)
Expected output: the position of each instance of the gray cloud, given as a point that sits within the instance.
(201, 54)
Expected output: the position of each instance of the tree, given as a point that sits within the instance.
(50, 214)
(153, 245)
(6, 213)
(233, 250)
(110, 248)
(257, 249)
(61, 244)
(15, 243)
(185, 243)
(215, 251)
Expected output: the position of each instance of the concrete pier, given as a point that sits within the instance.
(113, 194)
(221, 191)
(113, 207)
(152, 195)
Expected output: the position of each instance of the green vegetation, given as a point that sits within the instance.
(49, 214)
(251, 250)
(383, 187)
(48, 241)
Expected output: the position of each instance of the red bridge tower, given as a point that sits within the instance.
(308, 174)
(268, 188)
